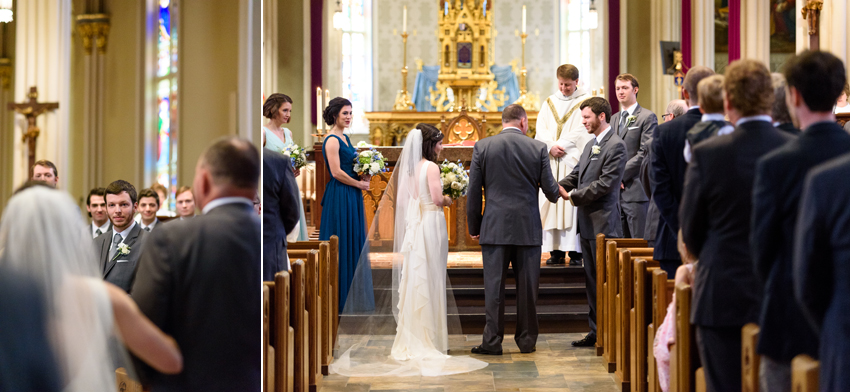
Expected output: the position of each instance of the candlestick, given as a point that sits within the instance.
(404, 20)
(318, 109)
(523, 19)
(402, 99)
(526, 100)
(327, 101)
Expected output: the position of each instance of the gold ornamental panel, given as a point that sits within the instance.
(390, 128)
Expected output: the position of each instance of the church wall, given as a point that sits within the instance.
(638, 60)
(292, 70)
(541, 50)
(208, 83)
(7, 121)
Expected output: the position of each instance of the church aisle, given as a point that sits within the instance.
(556, 366)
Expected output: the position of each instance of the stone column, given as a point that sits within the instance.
(665, 25)
(270, 42)
(833, 28)
(249, 86)
(755, 31)
(702, 16)
(93, 29)
(42, 59)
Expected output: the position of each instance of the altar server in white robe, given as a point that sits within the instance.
(559, 126)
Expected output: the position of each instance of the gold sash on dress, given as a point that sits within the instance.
(563, 120)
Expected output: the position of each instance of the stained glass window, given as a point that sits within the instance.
(575, 36)
(165, 87)
(357, 60)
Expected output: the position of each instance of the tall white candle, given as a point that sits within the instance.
(327, 100)
(404, 20)
(318, 108)
(523, 19)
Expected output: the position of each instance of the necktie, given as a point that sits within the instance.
(97, 233)
(115, 241)
(623, 122)
(148, 229)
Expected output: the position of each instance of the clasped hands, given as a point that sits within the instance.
(563, 192)
(557, 151)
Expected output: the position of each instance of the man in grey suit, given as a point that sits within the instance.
(510, 167)
(120, 247)
(595, 190)
(635, 125)
(199, 278)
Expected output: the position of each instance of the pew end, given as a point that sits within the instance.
(123, 382)
(750, 359)
(805, 372)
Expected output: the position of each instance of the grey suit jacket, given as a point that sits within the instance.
(122, 271)
(596, 181)
(636, 136)
(510, 167)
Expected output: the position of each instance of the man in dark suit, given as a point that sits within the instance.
(595, 190)
(120, 248)
(281, 213)
(667, 172)
(510, 167)
(96, 207)
(785, 331)
(27, 362)
(199, 279)
(635, 125)
(716, 210)
(780, 113)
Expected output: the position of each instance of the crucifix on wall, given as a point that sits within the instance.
(31, 109)
(811, 13)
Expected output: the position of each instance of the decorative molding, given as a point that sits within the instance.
(94, 31)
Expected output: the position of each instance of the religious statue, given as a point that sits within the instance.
(32, 109)
(811, 11)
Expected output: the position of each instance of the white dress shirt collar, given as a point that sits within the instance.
(226, 200)
(602, 135)
(631, 109)
(103, 229)
(747, 119)
(693, 107)
(713, 117)
(126, 231)
(152, 225)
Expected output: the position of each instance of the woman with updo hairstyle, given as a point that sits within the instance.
(342, 203)
(278, 109)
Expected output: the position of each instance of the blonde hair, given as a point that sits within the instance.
(710, 94)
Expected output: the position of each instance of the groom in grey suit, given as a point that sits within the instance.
(118, 267)
(510, 167)
(595, 190)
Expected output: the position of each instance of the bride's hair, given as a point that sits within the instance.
(430, 136)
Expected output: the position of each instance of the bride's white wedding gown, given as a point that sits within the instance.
(421, 339)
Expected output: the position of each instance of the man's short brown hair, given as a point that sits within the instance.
(513, 112)
(44, 163)
(626, 77)
(233, 161)
(118, 186)
(568, 71)
(96, 192)
(692, 78)
(598, 105)
(710, 94)
(818, 76)
(182, 189)
(748, 87)
(148, 192)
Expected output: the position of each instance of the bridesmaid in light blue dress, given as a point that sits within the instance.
(278, 109)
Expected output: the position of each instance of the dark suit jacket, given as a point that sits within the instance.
(667, 174)
(821, 271)
(789, 129)
(199, 282)
(650, 231)
(636, 136)
(785, 332)
(510, 167)
(716, 210)
(596, 181)
(122, 271)
(280, 210)
(27, 362)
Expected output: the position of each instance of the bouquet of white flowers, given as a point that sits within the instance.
(297, 154)
(370, 162)
(455, 180)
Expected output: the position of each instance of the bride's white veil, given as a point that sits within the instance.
(368, 322)
(43, 236)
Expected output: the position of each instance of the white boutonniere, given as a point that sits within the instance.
(630, 120)
(123, 250)
(595, 150)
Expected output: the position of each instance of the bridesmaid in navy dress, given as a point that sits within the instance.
(342, 204)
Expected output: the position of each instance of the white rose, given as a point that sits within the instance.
(596, 150)
(456, 186)
(375, 167)
(364, 154)
(451, 177)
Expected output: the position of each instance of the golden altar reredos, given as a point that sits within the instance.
(466, 35)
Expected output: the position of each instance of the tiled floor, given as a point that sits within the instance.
(556, 366)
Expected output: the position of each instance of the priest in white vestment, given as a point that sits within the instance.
(559, 126)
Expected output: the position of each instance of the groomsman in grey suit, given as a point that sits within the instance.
(635, 125)
(594, 187)
(510, 167)
(120, 247)
(96, 207)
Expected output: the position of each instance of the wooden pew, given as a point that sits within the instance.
(662, 294)
(300, 323)
(749, 358)
(640, 317)
(623, 304)
(326, 305)
(684, 358)
(804, 374)
(123, 382)
(314, 330)
(604, 344)
(268, 350)
(281, 360)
